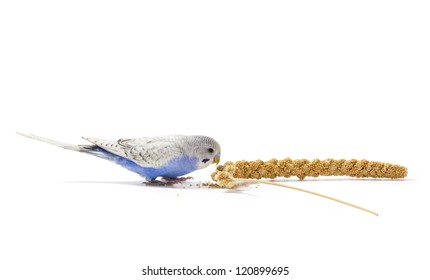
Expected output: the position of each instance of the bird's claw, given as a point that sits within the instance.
(157, 183)
(177, 179)
(167, 181)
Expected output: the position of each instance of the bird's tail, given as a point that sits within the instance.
(87, 149)
(80, 148)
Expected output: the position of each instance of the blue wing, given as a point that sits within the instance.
(176, 167)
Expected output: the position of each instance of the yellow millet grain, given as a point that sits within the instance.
(227, 174)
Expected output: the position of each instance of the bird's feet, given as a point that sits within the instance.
(167, 181)
(176, 180)
(157, 183)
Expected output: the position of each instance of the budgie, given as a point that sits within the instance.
(151, 157)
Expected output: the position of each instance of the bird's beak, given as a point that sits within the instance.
(217, 159)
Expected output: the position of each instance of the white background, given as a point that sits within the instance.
(299, 79)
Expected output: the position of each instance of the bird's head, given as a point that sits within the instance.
(206, 150)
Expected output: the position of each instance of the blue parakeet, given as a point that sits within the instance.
(151, 157)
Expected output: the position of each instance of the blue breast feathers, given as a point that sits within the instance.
(176, 167)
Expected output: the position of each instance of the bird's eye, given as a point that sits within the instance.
(210, 150)
(205, 160)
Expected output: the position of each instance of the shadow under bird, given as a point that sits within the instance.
(151, 157)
